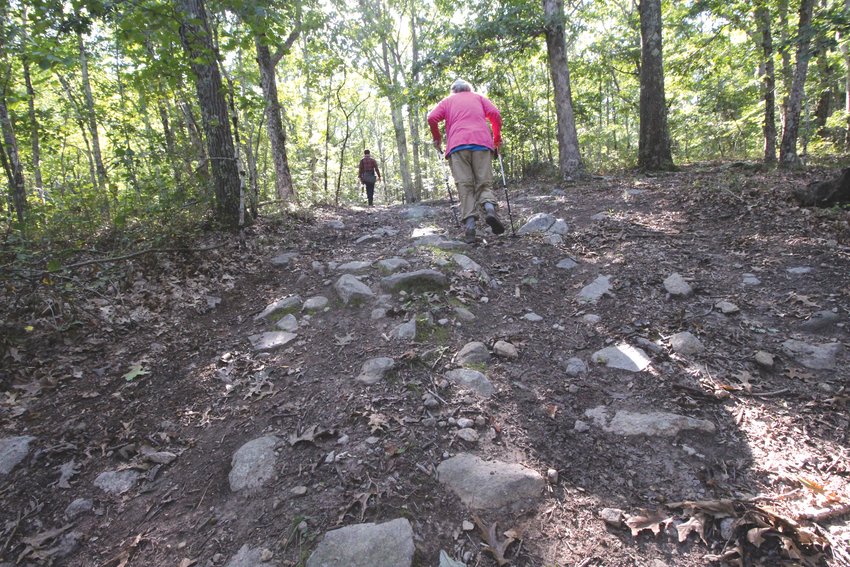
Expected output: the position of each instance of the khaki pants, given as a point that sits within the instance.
(473, 174)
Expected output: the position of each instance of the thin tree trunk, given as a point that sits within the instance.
(327, 136)
(413, 107)
(654, 142)
(33, 118)
(846, 51)
(78, 111)
(91, 118)
(569, 156)
(197, 41)
(768, 84)
(15, 171)
(277, 133)
(788, 147)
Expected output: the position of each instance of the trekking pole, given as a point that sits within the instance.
(448, 187)
(505, 187)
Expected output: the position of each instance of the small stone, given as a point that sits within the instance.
(575, 367)
(800, 270)
(504, 349)
(686, 343)
(469, 435)
(727, 528)
(464, 314)
(480, 421)
(316, 303)
(611, 516)
(468, 526)
(78, 507)
(464, 422)
(298, 490)
(764, 359)
(726, 307)
(751, 279)
(552, 476)
(676, 286)
(591, 319)
(473, 353)
(533, 317)
(288, 323)
(343, 440)
(581, 427)
(431, 402)
(566, 264)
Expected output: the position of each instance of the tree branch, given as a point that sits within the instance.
(133, 255)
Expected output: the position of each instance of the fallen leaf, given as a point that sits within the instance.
(308, 436)
(135, 371)
(797, 374)
(652, 521)
(344, 340)
(756, 535)
(495, 547)
(378, 423)
(694, 524)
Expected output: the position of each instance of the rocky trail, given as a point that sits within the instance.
(652, 372)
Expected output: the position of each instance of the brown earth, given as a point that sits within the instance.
(777, 464)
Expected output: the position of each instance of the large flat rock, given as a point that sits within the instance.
(13, 450)
(366, 545)
(490, 485)
(420, 280)
(253, 464)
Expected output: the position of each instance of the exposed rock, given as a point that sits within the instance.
(284, 259)
(334, 224)
(750, 279)
(366, 545)
(504, 349)
(440, 243)
(654, 424)
(622, 356)
(374, 370)
(315, 303)
(254, 464)
(593, 292)
(249, 557)
(591, 319)
(468, 434)
(351, 290)
(471, 380)
(566, 264)
(764, 359)
(553, 239)
(392, 265)
(816, 357)
(116, 482)
(464, 314)
(271, 340)
(820, 321)
(575, 367)
(419, 212)
(13, 450)
(559, 227)
(540, 222)
(406, 331)
(420, 280)
(726, 307)
(355, 266)
(676, 286)
(473, 352)
(490, 485)
(533, 317)
(292, 303)
(800, 270)
(686, 343)
(79, 507)
(288, 323)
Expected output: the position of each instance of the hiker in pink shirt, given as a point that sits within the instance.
(469, 144)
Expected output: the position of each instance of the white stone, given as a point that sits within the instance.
(373, 370)
(291, 303)
(288, 323)
(726, 307)
(764, 359)
(366, 545)
(593, 292)
(490, 485)
(271, 340)
(469, 435)
(315, 303)
(116, 482)
(352, 290)
(471, 380)
(623, 357)
(676, 285)
(504, 349)
(254, 464)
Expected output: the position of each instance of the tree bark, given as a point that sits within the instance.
(569, 157)
(35, 142)
(274, 124)
(845, 49)
(413, 107)
(788, 147)
(15, 171)
(197, 41)
(654, 140)
(91, 118)
(768, 84)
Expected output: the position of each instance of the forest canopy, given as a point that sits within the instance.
(120, 114)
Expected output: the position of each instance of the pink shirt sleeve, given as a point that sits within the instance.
(434, 118)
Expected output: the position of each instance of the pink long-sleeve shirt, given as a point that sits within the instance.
(466, 114)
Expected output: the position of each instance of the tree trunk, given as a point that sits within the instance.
(277, 133)
(34, 126)
(15, 171)
(569, 156)
(788, 147)
(846, 51)
(91, 118)
(197, 41)
(654, 140)
(401, 145)
(413, 107)
(768, 84)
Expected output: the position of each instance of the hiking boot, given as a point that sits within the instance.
(494, 222)
(469, 234)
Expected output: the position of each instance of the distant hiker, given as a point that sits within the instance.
(469, 144)
(368, 174)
